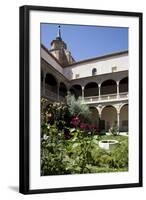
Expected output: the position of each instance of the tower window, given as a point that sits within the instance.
(94, 71)
(77, 75)
(114, 69)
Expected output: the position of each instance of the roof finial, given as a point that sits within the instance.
(59, 33)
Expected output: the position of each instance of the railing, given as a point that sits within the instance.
(107, 97)
(124, 95)
(103, 98)
(50, 94)
(53, 96)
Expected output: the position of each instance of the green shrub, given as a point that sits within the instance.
(77, 108)
(67, 150)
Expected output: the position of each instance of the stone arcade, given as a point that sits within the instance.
(102, 82)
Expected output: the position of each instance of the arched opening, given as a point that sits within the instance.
(124, 118)
(76, 90)
(94, 116)
(51, 83)
(94, 71)
(123, 85)
(72, 91)
(62, 90)
(91, 89)
(108, 87)
(108, 118)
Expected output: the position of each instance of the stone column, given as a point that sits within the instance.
(118, 121)
(99, 91)
(99, 113)
(82, 93)
(117, 89)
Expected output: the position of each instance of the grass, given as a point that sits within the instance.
(115, 160)
(84, 156)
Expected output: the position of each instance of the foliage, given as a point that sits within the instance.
(76, 107)
(70, 146)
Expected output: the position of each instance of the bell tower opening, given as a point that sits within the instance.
(59, 50)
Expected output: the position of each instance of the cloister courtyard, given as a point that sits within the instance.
(84, 111)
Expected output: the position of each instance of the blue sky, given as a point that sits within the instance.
(87, 41)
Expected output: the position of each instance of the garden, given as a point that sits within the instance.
(70, 142)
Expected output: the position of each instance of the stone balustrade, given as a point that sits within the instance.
(108, 97)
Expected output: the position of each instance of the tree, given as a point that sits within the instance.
(77, 108)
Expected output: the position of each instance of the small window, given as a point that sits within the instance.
(77, 75)
(94, 71)
(114, 69)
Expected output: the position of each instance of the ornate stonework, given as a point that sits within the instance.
(60, 52)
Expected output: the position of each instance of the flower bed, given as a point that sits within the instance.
(69, 143)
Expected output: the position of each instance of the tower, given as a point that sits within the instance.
(59, 50)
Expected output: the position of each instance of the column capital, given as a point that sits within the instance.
(99, 108)
(117, 82)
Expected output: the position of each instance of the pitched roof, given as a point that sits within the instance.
(99, 57)
(86, 60)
